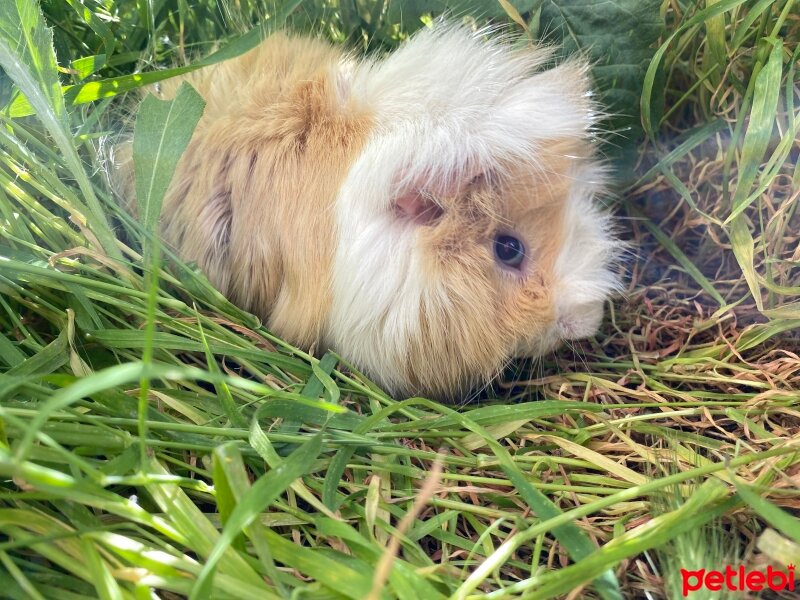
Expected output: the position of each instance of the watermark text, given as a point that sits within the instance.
(737, 579)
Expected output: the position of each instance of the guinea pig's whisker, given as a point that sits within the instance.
(520, 372)
(576, 353)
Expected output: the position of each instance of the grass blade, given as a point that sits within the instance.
(27, 56)
(781, 520)
(761, 121)
(257, 498)
(162, 133)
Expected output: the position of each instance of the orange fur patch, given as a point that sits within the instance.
(237, 206)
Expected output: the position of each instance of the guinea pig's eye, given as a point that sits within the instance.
(509, 250)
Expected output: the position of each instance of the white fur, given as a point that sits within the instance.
(447, 104)
(583, 274)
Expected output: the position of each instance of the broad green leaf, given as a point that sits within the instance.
(26, 53)
(617, 36)
(162, 132)
(75, 95)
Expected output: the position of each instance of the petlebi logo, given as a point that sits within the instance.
(737, 579)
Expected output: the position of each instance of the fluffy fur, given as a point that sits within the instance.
(353, 204)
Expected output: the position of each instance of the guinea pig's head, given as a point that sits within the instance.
(467, 229)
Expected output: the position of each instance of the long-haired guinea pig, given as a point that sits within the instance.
(429, 215)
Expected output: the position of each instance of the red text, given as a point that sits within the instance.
(737, 579)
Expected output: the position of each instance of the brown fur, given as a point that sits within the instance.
(236, 205)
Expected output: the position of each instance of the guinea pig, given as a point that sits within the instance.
(429, 215)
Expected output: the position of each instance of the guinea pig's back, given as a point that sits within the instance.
(256, 78)
(251, 199)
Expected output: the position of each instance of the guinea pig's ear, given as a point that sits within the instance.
(422, 199)
(418, 206)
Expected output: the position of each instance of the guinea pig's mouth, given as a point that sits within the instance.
(580, 322)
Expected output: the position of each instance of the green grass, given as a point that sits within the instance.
(156, 439)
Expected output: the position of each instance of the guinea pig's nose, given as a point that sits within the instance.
(580, 321)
